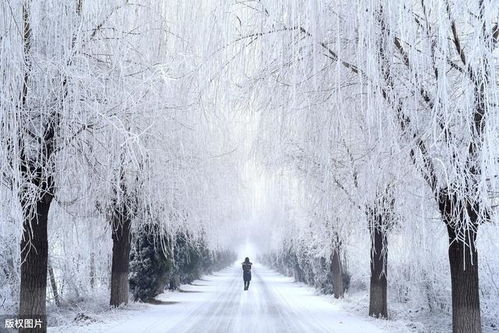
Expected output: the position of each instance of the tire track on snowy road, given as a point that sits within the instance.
(218, 304)
(216, 314)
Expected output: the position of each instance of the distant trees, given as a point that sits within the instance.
(160, 261)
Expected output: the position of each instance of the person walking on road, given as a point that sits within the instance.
(247, 273)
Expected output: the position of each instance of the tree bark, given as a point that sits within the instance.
(92, 270)
(53, 284)
(337, 273)
(463, 259)
(120, 265)
(298, 272)
(378, 303)
(34, 254)
(35, 210)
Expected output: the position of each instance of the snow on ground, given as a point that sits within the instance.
(217, 303)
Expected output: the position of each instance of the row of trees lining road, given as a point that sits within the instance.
(131, 140)
(375, 102)
(104, 142)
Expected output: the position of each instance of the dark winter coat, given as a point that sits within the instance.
(247, 271)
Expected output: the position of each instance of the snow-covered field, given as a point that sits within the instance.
(217, 303)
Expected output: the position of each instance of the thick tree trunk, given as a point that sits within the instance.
(120, 265)
(378, 304)
(463, 259)
(337, 273)
(34, 254)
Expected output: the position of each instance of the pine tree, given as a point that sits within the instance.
(150, 265)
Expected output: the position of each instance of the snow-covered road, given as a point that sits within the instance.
(217, 303)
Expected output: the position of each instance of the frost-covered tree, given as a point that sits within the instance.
(437, 72)
(37, 126)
